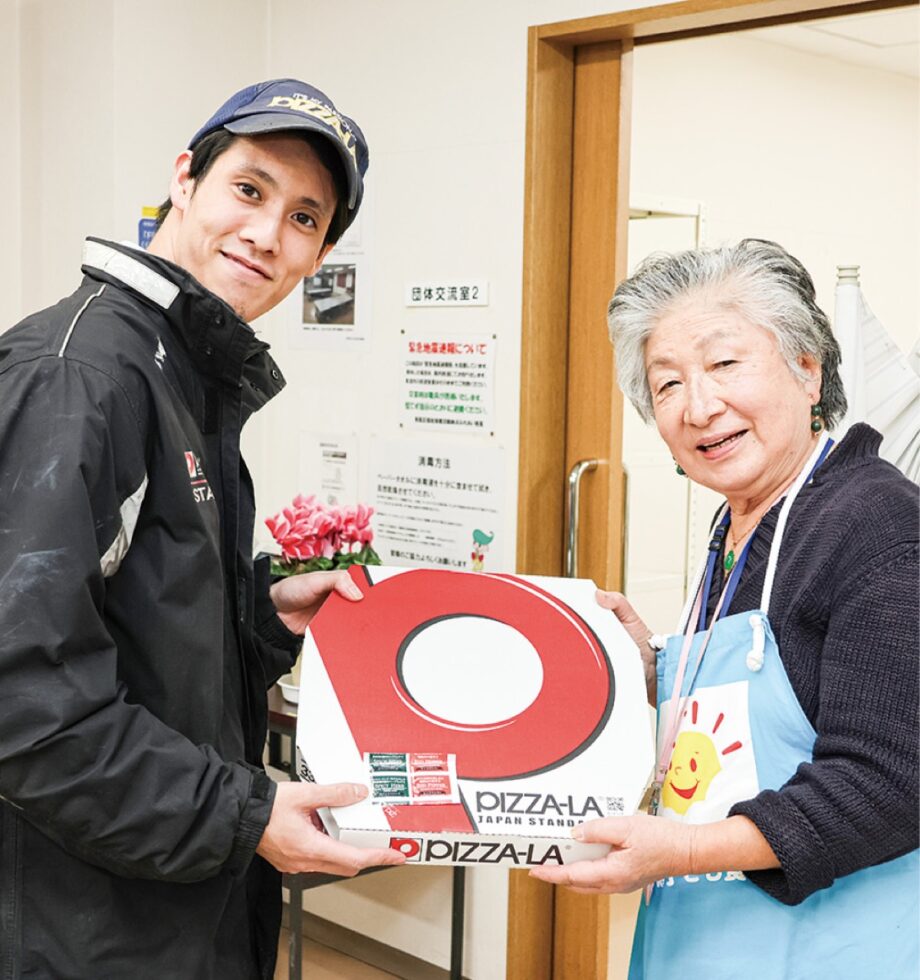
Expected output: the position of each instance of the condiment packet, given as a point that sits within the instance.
(408, 778)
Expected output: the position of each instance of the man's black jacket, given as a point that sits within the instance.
(137, 639)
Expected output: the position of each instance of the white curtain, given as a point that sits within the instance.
(881, 383)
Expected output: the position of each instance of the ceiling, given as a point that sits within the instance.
(884, 39)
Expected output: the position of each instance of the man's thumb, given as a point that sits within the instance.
(335, 794)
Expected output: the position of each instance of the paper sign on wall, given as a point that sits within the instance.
(448, 382)
(331, 309)
(329, 468)
(451, 292)
(437, 505)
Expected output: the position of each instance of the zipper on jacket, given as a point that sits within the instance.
(10, 892)
(241, 582)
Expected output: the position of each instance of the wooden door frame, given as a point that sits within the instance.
(554, 223)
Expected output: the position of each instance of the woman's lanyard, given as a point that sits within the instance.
(695, 616)
(734, 574)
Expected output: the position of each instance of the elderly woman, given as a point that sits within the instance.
(784, 835)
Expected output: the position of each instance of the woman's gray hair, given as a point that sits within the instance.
(756, 278)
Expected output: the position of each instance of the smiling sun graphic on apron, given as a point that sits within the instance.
(694, 764)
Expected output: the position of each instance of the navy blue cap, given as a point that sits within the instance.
(284, 104)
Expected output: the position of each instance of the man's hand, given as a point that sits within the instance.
(298, 597)
(293, 841)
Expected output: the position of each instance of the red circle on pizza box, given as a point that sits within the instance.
(362, 645)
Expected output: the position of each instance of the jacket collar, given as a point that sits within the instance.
(220, 344)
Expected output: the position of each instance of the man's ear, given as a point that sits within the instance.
(182, 185)
(320, 259)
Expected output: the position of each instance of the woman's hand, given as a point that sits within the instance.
(618, 604)
(645, 849)
(298, 597)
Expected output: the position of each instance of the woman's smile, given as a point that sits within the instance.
(719, 446)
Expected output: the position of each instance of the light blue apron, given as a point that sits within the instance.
(744, 731)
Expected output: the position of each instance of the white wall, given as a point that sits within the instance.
(111, 91)
(68, 139)
(815, 153)
(10, 176)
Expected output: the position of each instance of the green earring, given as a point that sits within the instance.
(680, 471)
(817, 418)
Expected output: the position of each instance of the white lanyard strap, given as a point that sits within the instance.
(691, 613)
(792, 493)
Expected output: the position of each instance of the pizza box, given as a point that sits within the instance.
(489, 714)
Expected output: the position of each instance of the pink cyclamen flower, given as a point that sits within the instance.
(309, 529)
(355, 527)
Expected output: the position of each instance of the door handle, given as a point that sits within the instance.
(571, 550)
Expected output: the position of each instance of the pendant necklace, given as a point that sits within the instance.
(728, 562)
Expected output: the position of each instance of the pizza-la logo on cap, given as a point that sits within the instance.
(410, 847)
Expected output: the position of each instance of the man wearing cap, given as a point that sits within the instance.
(139, 835)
